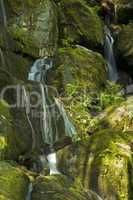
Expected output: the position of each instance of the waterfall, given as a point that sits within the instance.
(47, 131)
(3, 13)
(68, 125)
(52, 163)
(39, 69)
(52, 113)
(26, 101)
(30, 189)
(109, 56)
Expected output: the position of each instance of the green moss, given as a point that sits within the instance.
(84, 25)
(36, 31)
(103, 163)
(60, 187)
(13, 182)
(80, 74)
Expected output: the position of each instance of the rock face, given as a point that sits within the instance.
(101, 162)
(80, 67)
(13, 182)
(33, 25)
(16, 65)
(82, 27)
(13, 142)
(125, 45)
(59, 187)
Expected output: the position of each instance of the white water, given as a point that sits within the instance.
(3, 12)
(52, 161)
(109, 56)
(39, 70)
(26, 101)
(30, 189)
(68, 125)
(46, 116)
(38, 73)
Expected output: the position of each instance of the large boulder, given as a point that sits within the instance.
(82, 27)
(13, 182)
(125, 45)
(80, 67)
(103, 164)
(33, 25)
(60, 187)
(15, 135)
(79, 72)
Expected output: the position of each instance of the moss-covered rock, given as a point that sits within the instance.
(13, 182)
(125, 45)
(79, 72)
(14, 140)
(33, 24)
(60, 187)
(103, 164)
(80, 67)
(82, 27)
(16, 65)
(121, 117)
(8, 148)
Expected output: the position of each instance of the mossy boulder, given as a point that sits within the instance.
(79, 73)
(8, 146)
(13, 182)
(82, 27)
(125, 45)
(15, 139)
(103, 164)
(33, 25)
(121, 117)
(60, 187)
(80, 67)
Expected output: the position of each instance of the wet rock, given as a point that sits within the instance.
(13, 182)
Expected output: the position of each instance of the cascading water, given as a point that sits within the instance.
(39, 70)
(3, 13)
(109, 56)
(52, 163)
(53, 112)
(68, 125)
(30, 189)
(26, 101)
